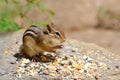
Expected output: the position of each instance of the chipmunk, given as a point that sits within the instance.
(38, 40)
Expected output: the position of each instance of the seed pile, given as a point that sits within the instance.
(69, 64)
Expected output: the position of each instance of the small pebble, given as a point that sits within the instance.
(45, 72)
(108, 67)
(61, 64)
(58, 71)
(13, 62)
(65, 58)
(85, 57)
(90, 60)
(117, 66)
(16, 42)
(85, 71)
(70, 62)
(73, 50)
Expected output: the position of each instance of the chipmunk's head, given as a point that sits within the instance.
(53, 38)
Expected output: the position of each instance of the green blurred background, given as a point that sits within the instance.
(12, 9)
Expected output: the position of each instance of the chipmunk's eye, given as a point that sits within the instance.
(57, 33)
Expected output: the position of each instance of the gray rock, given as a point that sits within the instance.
(10, 45)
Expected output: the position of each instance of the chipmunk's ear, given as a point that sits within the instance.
(50, 27)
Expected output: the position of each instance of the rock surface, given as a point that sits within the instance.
(92, 61)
